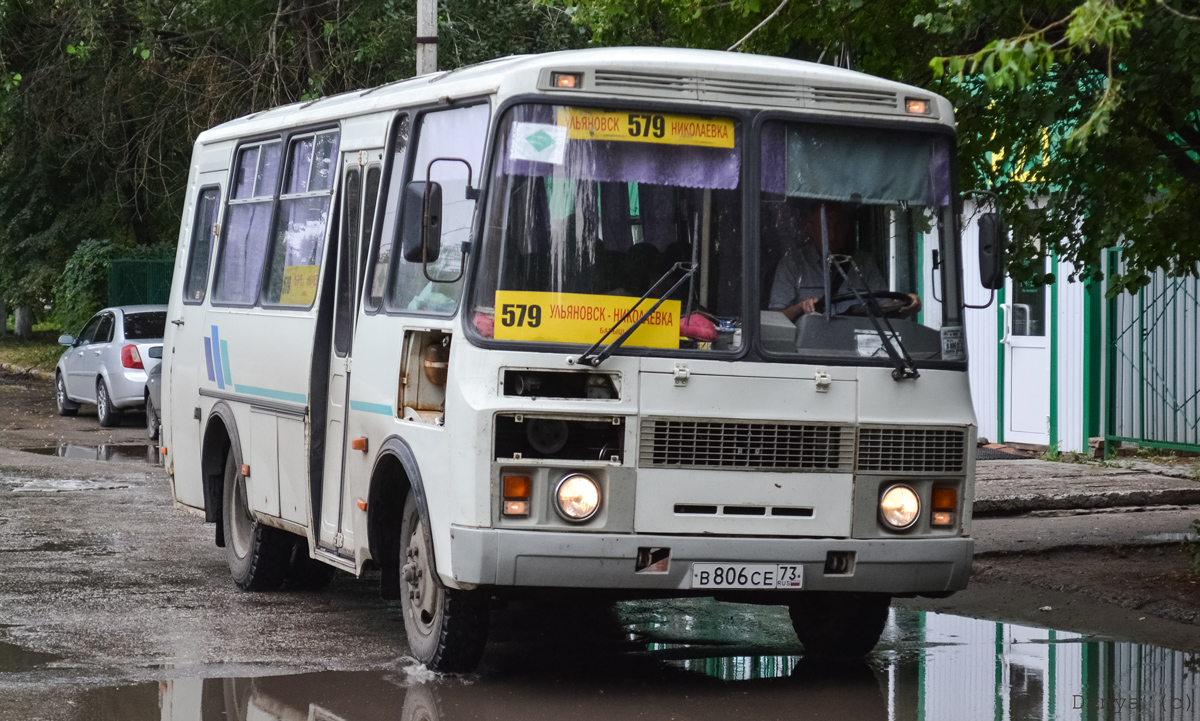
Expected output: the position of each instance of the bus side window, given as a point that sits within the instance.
(247, 224)
(196, 281)
(303, 218)
(383, 256)
(455, 133)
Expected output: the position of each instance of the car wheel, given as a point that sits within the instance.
(257, 555)
(151, 419)
(66, 406)
(840, 625)
(446, 628)
(110, 416)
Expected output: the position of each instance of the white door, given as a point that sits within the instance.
(188, 345)
(336, 529)
(1027, 327)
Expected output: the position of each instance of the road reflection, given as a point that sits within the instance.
(690, 660)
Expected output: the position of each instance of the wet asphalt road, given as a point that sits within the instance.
(114, 606)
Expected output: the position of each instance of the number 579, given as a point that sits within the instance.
(520, 314)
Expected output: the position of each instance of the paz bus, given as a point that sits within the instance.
(620, 323)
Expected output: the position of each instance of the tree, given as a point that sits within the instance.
(1093, 107)
(101, 100)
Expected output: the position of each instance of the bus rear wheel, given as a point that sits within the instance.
(257, 555)
(839, 624)
(446, 628)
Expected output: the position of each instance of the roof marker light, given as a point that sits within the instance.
(566, 80)
(917, 106)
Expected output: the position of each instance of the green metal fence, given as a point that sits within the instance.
(1153, 378)
(139, 282)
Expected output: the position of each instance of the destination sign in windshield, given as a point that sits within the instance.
(646, 127)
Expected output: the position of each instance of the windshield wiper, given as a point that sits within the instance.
(588, 359)
(903, 364)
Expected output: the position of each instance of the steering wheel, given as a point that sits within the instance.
(892, 303)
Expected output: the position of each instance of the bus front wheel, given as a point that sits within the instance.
(839, 624)
(446, 628)
(258, 555)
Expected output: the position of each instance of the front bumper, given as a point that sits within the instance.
(487, 556)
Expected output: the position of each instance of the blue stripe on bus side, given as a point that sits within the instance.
(225, 362)
(208, 358)
(271, 393)
(216, 346)
(380, 408)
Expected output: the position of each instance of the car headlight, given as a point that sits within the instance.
(900, 507)
(577, 497)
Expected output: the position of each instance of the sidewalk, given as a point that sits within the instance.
(1020, 486)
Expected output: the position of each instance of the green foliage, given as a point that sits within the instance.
(82, 289)
(1084, 117)
(101, 101)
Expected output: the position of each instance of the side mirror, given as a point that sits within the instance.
(66, 339)
(422, 225)
(155, 351)
(991, 251)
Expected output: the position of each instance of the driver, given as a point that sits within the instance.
(799, 282)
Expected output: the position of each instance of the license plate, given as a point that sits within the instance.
(747, 575)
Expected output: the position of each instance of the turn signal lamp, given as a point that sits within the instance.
(916, 106)
(130, 358)
(899, 507)
(944, 503)
(517, 490)
(568, 81)
(577, 497)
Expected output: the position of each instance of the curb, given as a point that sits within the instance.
(1013, 505)
(23, 371)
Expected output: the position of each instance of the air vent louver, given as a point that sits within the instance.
(911, 450)
(853, 96)
(746, 445)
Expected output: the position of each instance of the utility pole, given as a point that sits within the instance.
(426, 36)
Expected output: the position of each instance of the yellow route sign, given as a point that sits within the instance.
(299, 285)
(638, 126)
(580, 318)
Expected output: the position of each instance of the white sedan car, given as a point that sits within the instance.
(107, 363)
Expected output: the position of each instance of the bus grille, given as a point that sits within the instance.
(911, 450)
(746, 445)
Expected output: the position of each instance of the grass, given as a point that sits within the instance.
(42, 352)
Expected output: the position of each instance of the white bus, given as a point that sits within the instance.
(558, 323)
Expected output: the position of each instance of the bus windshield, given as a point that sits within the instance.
(590, 208)
(856, 222)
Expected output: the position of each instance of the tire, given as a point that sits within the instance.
(447, 628)
(109, 415)
(151, 420)
(257, 555)
(839, 625)
(305, 573)
(63, 402)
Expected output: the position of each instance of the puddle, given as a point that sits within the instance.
(64, 485)
(120, 452)
(1170, 537)
(927, 667)
(14, 658)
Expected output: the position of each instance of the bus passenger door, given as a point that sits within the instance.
(335, 529)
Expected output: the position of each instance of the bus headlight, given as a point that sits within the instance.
(577, 497)
(899, 507)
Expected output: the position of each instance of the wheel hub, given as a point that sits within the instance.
(243, 522)
(418, 578)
